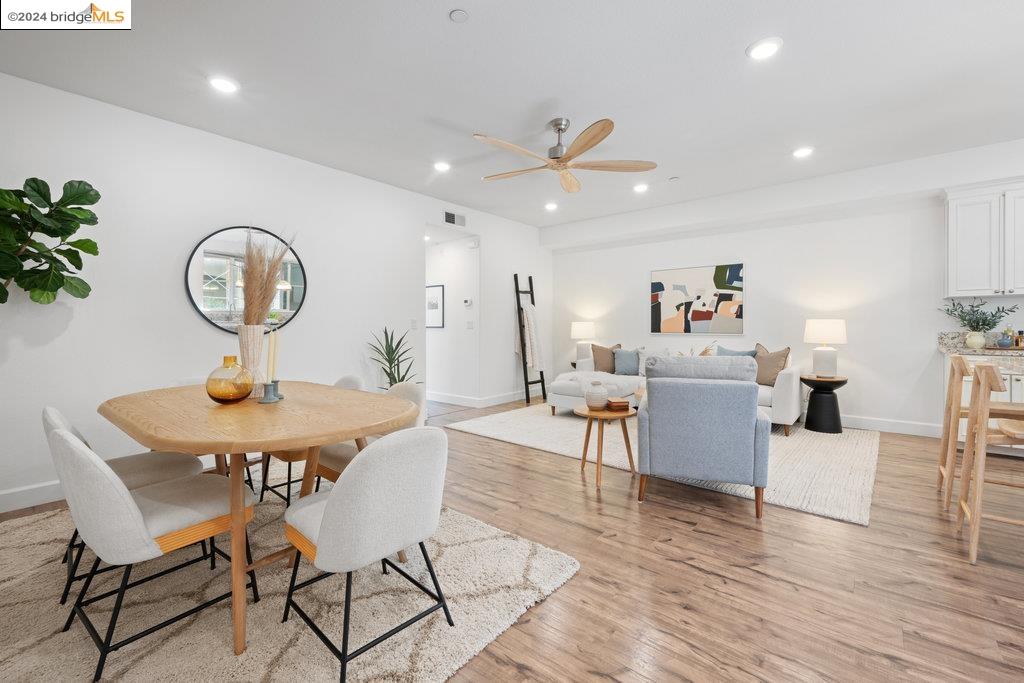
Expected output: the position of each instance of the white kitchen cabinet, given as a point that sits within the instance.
(985, 240)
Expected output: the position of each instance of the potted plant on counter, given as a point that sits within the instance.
(976, 320)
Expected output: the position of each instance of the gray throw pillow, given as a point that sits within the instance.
(627, 362)
(722, 351)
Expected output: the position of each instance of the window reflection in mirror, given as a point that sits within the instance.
(215, 280)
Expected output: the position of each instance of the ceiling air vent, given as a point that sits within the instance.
(454, 219)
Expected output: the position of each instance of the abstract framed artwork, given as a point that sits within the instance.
(435, 306)
(701, 300)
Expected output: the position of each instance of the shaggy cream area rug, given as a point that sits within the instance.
(489, 576)
(831, 475)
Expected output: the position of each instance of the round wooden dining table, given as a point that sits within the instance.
(186, 420)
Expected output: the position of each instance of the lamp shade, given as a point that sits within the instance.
(825, 331)
(582, 330)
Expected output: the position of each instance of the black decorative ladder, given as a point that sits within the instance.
(522, 339)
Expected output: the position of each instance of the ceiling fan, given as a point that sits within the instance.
(562, 160)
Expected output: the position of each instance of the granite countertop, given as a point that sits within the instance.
(952, 343)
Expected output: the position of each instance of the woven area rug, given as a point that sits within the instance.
(489, 576)
(831, 475)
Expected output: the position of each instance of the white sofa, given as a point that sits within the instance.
(782, 401)
(567, 389)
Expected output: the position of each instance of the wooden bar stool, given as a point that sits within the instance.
(959, 370)
(1008, 432)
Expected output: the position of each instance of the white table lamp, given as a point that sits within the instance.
(582, 330)
(825, 332)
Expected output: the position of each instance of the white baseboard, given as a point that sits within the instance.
(881, 424)
(482, 401)
(27, 496)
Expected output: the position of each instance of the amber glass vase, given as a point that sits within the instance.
(230, 383)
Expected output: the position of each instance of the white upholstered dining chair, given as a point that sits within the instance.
(135, 471)
(288, 457)
(335, 457)
(124, 527)
(353, 525)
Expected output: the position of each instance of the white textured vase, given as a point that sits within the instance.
(596, 396)
(250, 350)
(975, 340)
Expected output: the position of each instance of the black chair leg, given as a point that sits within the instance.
(252, 574)
(291, 587)
(288, 488)
(203, 546)
(383, 567)
(213, 552)
(248, 479)
(81, 594)
(437, 586)
(105, 649)
(71, 544)
(264, 471)
(317, 489)
(72, 570)
(344, 632)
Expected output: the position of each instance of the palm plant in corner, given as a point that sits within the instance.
(30, 215)
(391, 355)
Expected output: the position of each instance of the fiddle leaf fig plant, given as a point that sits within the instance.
(38, 252)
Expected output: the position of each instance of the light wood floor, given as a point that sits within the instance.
(689, 585)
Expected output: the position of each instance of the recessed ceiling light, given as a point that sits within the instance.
(802, 152)
(426, 238)
(763, 49)
(223, 84)
(640, 189)
(551, 206)
(442, 166)
(458, 16)
(673, 179)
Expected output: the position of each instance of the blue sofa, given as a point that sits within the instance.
(700, 420)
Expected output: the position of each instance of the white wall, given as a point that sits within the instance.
(883, 273)
(452, 352)
(164, 187)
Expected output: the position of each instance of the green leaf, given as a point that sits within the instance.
(10, 201)
(83, 216)
(8, 238)
(3, 293)
(78, 193)
(76, 287)
(41, 296)
(72, 256)
(10, 265)
(38, 217)
(86, 245)
(48, 279)
(38, 192)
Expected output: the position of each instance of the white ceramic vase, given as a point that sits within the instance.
(250, 349)
(596, 396)
(975, 340)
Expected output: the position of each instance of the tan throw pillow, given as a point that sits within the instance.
(769, 364)
(604, 357)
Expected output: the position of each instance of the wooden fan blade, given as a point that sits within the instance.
(594, 133)
(625, 166)
(509, 174)
(504, 144)
(569, 182)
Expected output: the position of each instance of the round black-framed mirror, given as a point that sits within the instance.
(214, 279)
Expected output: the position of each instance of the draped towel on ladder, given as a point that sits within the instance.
(531, 338)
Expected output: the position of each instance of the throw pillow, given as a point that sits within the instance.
(770, 364)
(604, 357)
(627, 362)
(722, 351)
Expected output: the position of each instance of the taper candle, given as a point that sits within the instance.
(272, 357)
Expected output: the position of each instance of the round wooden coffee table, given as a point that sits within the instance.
(602, 416)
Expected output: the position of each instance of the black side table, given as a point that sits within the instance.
(823, 406)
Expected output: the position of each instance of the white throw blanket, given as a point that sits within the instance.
(531, 338)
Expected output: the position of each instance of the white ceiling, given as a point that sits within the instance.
(383, 88)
